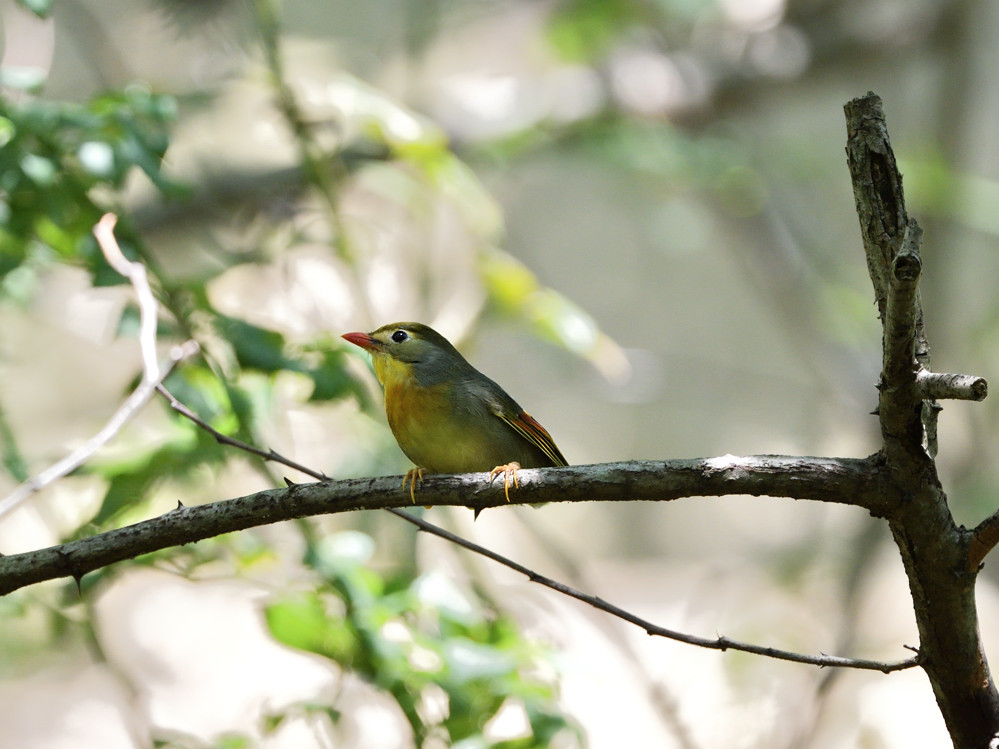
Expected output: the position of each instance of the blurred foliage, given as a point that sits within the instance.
(55, 157)
(64, 164)
(40, 8)
(406, 635)
(589, 30)
(442, 653)
(583, 30)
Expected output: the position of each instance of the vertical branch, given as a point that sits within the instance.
(136, 275)
(899, 418)
(933, 549)
(888, 233)
(877, 190)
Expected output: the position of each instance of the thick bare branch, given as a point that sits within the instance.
(800, 478)
(891, 245)
(901, 312)
(717, 466)
(877, 190)
(934, 550)
(188, 524)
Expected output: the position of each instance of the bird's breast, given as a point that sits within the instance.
(424, 424)
(448, 430)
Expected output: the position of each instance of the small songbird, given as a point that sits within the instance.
(445, 414)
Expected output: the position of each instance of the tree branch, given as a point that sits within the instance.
(128, 409)
(635, 480)
(901, 311)
(877, 190)
(136, 275)
(940, 386)
(153, 373)
(717, 643)
(984, 539)
(721, 467)
(934, 550)
(798, 478)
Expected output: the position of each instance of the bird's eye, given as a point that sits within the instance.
(399, 336)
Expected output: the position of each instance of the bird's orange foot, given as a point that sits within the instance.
(509, 471)
(414, 476)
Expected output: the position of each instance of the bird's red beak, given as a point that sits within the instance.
(361, 339)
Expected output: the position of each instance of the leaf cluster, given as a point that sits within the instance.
(449, 662)
(60, 162)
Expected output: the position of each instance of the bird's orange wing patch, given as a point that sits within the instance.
(526, 426)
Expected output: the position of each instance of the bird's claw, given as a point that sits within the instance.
(414, 476)
(509, 471)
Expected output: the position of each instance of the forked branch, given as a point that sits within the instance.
(153, 373)
(934, 550)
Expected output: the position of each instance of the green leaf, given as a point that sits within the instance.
(467, 660)
(303, 622)
(39, 170)
(331, 377)
(255, 347)
(233, 741)
(135, 476)
(584, 30)
(40, 8)
(13, 460)
(547, 723)
(198, 388)
(55, 154)
(7, 131)
(515, 290)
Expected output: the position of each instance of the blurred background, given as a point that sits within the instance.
(635, 215)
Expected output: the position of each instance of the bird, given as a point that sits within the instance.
(446, 415)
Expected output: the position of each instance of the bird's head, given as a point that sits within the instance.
(408, 349)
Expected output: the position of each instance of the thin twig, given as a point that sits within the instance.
(224, 439)
(153, 373)
(984, 538)
(136, 275)
(717, 643)
(132, 405)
